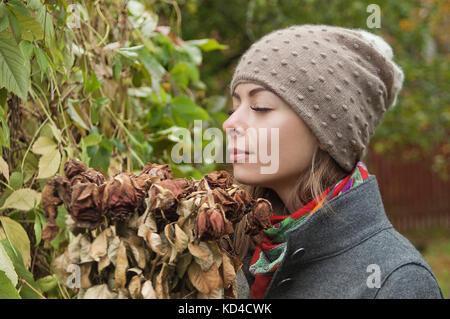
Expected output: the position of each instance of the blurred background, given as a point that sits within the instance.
(111, 81)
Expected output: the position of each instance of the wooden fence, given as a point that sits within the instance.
(413, 196)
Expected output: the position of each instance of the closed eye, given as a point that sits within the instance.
(254, 108)
(260, 109)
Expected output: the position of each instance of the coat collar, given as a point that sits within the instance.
(357, 214)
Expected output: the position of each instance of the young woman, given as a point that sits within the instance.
(325, 89)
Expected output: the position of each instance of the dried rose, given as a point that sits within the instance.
(164, 197)
(74, 167)
(162, 171)
(229, 205)
(86, 208)
(211, 224)
(50, 230)
(180, 187)
(120, 197)
(90, 175)
(259, 218)
(56, 191)
(245, 203)
(142, 184)
(217, 222)
(220, 179)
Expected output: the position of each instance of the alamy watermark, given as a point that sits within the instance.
(374, 19)
(374, 279)
(74, 279)
(251, 146)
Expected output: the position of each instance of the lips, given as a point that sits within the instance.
(236, 151)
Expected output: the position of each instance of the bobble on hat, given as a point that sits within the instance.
(340, 81)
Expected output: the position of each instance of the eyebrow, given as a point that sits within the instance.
(252, 92)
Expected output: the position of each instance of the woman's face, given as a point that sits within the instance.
(295, 143)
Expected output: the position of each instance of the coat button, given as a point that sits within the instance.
(298, 253)
(284, 282)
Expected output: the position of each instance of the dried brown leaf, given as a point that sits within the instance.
(121, 266)
(134, 287)
(162, 171)
(147, 290)
(99, 247)
(99, 292)
(162, 283)
(181, 239)
(182, 264)
(204, 281)
(228, 271)
(202, 254)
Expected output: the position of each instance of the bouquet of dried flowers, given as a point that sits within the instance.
(151, 235)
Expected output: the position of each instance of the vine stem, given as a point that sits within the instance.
(31, 143)
(32, 288)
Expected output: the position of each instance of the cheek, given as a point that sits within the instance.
(295, 146)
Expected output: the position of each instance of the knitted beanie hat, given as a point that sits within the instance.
(340, 81)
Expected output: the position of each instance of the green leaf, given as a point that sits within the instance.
(4, 133)
(30, 27)
(185, 111)
(38, 228)
(14, 74)
(16, 180)
(18, 6)
(7, 266)
(92, 139)
(22, 199)
(183, 72)
(34, 4)
(154, 68)
(47, 283)
(96, 107)
(27, 49)
(208, 44)
(116, 67)
(14, 25)
(43, 145)
(46, 21)
(18, 238)
(7, 289)
(3, 17)
(63, 232)
(100, 157)
(71, 110)
(49, 164)
(91, 84)
(21, 270)
(42, 59)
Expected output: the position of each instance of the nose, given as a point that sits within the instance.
(232, 125)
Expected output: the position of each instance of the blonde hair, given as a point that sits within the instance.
(323, 173)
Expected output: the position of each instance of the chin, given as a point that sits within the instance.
(249, 174)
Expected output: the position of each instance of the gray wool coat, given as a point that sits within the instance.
(353, 252)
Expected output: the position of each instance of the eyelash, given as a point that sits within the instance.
(254, 108)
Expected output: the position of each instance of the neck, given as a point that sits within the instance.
(284, 191)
